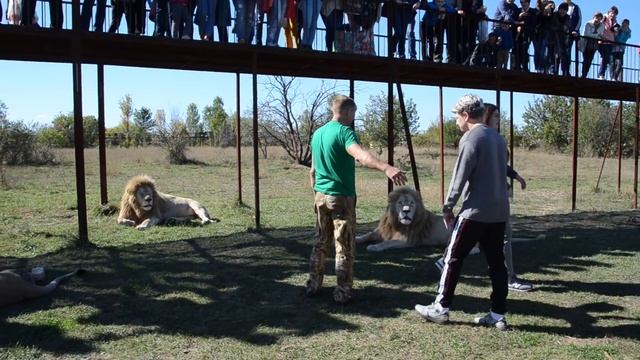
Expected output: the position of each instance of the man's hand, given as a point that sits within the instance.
(448, 219)
(523, 184)
(396, 175)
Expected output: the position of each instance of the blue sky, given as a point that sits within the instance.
(37, 92)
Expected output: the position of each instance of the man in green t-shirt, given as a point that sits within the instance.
(335, 147)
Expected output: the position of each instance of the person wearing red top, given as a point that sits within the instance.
(608, 36)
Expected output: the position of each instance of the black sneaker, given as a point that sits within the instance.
(520, 285)
(489, 321)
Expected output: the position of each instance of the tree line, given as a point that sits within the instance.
(288, 116)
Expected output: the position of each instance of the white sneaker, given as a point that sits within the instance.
(433, 313)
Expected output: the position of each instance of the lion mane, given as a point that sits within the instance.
(424, 229)
(129, 206)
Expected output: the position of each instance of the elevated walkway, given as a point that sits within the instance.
(67, 46)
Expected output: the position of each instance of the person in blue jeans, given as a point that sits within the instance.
(87, 11)
(432, 26)
(310, 11)
(412, 35)
(401, 12)
(245, 20)
(274, 18)
(622, 34)
(162, 19)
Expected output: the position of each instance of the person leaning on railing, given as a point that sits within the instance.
(525, 32)
(608, 36)
(575, 14)
(432, 28)
(471, 12)
(332, 13)
(622, 34)
(591, 36)
(560, 57)
(484, 54)
(245, 20)
(544, 36)
(399, 12)
(87, 11)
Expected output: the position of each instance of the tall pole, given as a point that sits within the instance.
(102, 152)
(511, 135)
(574, 179)
(352, 89)
(636, 150)
(441, 145)
(256, 172)
(498, 103)
(390, 92)
(78, 138)
(238, 139)
(621, 107)
(352, 95)
(576, 54)
(389, 131)
(407, 135)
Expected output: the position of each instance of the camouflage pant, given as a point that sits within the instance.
(335, 224)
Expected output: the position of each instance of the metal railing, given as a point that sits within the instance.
(379, 36)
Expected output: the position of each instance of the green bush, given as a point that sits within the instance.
(19, 145)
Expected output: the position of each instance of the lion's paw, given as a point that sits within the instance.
(142, 227)
(126, 222)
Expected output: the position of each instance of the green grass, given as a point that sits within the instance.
(221, 291)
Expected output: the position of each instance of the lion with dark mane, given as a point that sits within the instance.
(406, 223)
(143, 206)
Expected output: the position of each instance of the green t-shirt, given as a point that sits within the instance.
(334, 167)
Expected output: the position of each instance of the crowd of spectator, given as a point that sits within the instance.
(453, 31)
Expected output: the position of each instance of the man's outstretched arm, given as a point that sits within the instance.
(367, 159)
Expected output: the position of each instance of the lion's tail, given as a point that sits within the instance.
(51, 286)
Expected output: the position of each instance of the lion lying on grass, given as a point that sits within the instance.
(14, 288)
(406, 223)
(143, 206)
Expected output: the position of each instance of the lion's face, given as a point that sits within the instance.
(144, 197)
(405, 208)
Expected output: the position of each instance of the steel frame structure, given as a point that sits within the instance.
(82, 47)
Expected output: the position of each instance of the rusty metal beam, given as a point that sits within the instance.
(238, 140)
(636, 150)
(511, 136)
(574, 173)
(441, 106)
(102, 146)
(390, 131)
(256, 169)
(407, 134)
(78, 138)
(621, 106)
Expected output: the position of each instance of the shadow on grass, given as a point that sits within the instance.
(249, 286)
